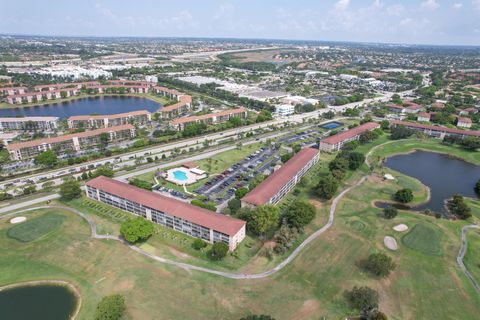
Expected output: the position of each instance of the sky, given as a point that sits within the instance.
(447, 22)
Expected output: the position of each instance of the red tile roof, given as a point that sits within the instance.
(110, 116)
(342, 136)
(270, 186)
(180, 209)
(208, 116)
(464, 120)
(436, 128)
(33, 143)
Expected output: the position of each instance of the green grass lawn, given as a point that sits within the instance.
(424, 238)
(423, 286)
(37, 228)
(472, 256)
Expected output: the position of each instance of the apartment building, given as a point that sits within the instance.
(29, 123)
(436, 131)
(70, 142)
(209, 119)
(171, 213)
(282, 181)
(139, 117)
(336, 142)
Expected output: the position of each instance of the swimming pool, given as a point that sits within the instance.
(180, 175)
(331, 125)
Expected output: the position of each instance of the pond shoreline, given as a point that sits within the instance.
(62, 283)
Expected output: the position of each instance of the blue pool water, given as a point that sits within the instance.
(180, 175)
(85, 106)
(331, 125)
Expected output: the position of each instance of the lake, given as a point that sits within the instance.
(39, 302)
(444, 175)
(85, 106)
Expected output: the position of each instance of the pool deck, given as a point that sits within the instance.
(191, 177)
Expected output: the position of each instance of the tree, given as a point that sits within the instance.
(367, 136)
(263, 116)
(240, 192)
(219, 251)
(141, 184)
(198, 244)
(47, 158)
(390, 212)
(404, 195)
(363, 298)
(299, 214)
(262, 219)
(355, 160)
(234, 205)
(458, 207)
(384, 125)
(110, 308)
(471, 143)
(326, 187)
(136, 229)
(29, 190)
(70, 190)
(400, 132)
(477, 188)
(284, 238)
(329, 115)
(104, 170)
(235, 121)
(256, 181)
(379, 264)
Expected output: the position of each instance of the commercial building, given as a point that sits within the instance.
(282, 181)
(104, 121)
(336, 142)
(284, 109)
(29, 123)
(69, 143)
(211, 118)
(178, 215)
(436, 131)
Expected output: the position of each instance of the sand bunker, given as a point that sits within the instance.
(400, 227)
(18, 220)
(390, 243)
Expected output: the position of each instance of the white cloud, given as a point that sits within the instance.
(395, 10)
(429, 4)
(457, 6)
(476, 4)
(342, 5)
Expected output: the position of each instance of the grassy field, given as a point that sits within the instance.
(423, 286)
(36, 228)
(472, 257)
(424, 239)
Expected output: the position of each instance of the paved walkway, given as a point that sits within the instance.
(461, 254)
(231, 275)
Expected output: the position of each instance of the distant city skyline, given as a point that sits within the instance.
(437, 22)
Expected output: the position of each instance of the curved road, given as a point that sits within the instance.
(461, 254)
(242, 276)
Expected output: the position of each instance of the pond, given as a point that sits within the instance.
(443, 174)
(39, 302)
(85, 106)
(331, 125)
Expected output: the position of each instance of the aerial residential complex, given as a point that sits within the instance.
(282, 181)
(336, 142)
(70, 142)
(20, 95)
(178, 215)
(436, 131)
(29, 123)
(105, 121)
(211, 118)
